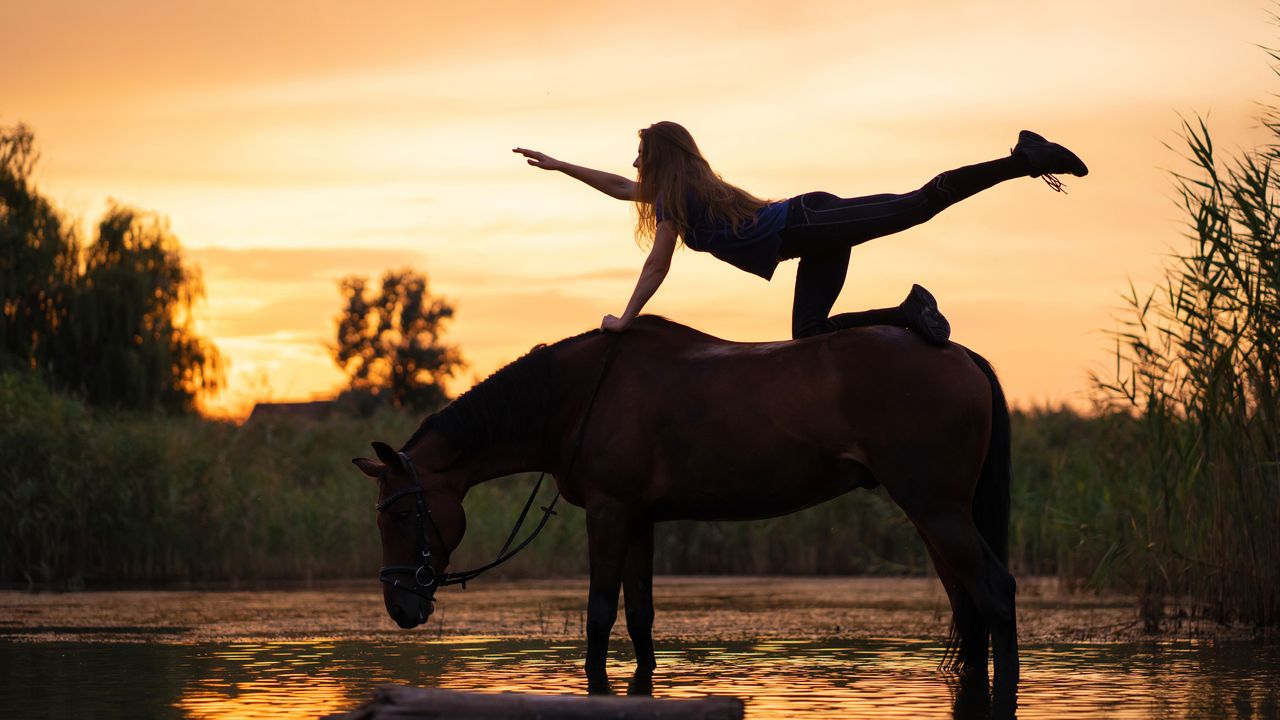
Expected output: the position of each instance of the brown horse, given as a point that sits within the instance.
(685, 426)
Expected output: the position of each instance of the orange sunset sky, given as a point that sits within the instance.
(292, 143)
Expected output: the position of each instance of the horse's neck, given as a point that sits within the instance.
(479, 465)
(545, 449)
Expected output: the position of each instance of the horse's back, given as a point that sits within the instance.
(862, 359)
(746, 418)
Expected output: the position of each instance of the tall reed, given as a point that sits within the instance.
(111, 496)
(92, 497)
(1198, 366)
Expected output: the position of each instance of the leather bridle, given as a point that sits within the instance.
(424, 579)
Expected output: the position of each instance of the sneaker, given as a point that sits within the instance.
(1048, 158)
(923, 316)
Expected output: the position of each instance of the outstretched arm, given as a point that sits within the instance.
(612, 185)
(651, 277)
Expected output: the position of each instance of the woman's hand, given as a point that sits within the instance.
(614, 324)
(614, 186)
(540, 160)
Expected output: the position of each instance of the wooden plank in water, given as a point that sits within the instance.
(410, 702)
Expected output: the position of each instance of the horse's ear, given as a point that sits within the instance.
(387, 455)
(372, 468)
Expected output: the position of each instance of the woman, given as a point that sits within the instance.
(678, 195)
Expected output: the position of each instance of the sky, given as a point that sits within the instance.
(293, 143)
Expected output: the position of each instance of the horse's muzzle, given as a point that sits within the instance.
(409, 617)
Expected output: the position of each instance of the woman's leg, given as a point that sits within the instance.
(817, 221)
(821, 228)
(821, 220)
(819, 280)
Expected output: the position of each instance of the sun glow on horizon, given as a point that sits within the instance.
(293, 144)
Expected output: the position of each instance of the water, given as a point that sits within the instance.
(119, 664)
(881, 679)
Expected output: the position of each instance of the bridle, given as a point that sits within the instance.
(423, 579)
(424, 576)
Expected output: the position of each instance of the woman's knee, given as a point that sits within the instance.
(809, 328)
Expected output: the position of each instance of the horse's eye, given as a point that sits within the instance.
(402, 516)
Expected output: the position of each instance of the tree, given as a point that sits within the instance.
(113, 322)
(39, 259)
(133, 342)
(390, 342)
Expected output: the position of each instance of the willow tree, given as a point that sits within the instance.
(39, 258)
(390, 343)
(132, 340)
(112, 321)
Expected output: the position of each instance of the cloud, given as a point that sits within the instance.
(306, 316)
(295, 265)
(474, 279)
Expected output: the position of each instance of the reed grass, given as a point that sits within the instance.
(92, 497)
(1198, 367)
(96, 498)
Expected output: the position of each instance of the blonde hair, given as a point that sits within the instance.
(673, 173)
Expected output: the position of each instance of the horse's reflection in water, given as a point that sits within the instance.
(972, 701)
(970, 696)
(667, 423)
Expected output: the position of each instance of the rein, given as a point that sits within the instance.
(425, 579)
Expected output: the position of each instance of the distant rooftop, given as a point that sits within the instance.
(311, 410)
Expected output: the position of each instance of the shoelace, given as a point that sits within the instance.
(1050, 180)
(1053, 182)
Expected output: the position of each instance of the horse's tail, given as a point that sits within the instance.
(991, 497)
(990, 509)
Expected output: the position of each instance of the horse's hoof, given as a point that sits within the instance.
(641, 683)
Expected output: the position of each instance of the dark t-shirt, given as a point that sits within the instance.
(753, 248)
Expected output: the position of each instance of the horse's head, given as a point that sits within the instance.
(421, 523)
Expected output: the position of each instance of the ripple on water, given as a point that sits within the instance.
(883, 679)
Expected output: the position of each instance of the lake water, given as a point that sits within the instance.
(806, 648)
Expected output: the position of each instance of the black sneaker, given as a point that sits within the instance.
(923, 316)
(1048, 158)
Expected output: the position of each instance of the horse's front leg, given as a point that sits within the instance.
(607, 540)
(637, 583)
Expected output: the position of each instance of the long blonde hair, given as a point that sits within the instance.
(673, 172)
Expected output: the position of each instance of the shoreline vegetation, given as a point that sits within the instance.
(101, 499)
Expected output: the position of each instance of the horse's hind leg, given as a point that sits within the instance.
(970, 635)
(637, 584)
(959, 546)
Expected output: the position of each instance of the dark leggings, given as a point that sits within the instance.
(821, 229)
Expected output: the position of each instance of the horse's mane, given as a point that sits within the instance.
(515, 401)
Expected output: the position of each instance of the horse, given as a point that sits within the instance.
(663, 422)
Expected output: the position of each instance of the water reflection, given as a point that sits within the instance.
(883, 679)
(284, 680)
